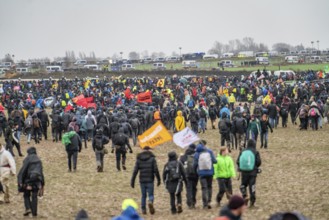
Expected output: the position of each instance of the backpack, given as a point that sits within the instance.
(312, 113)
(28, 122)
(205, 162)
(99, 143)
(247, 161)
(193, 118)
(36, 123)
(203, 113)
(55, 119)
(190, 103)
(222, 126)
(284, 112)
(189, 166)
(173, 171)
(212, 112)
(2, 119)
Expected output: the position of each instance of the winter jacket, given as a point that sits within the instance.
(225, 211)
(75, 144)
(122, 140)
(31, 171)
(224, 168)
(272, 111)
(265, 125)
(90, 120)
(105, 140)
(7, 164)
(174, 186)
(258, 161)
(200, 149)
(128, 214)
(226, 110)
(179, 121)
(147, 167)
(240, 125)
(254, 127)
(183, 159)
(316, 109)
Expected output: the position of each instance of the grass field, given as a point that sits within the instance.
(295, 177)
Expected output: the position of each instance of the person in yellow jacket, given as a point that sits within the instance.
(232, 101)
(223, 172)
(179, 121)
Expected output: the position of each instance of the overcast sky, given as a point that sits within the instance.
(47, 28)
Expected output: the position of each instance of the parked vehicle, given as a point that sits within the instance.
(159, 66)
(316, 59)
(291, 59)
(172, 59)
(52, 69)
(210, 56)
(226, 63)
(245, 54)
(159, 59)
(262, 60)
(81, 62)
(147, 60)
(22, 70)
(189, 64)
(227, 55)
(127, 66)
(91, 67)
(285, 74)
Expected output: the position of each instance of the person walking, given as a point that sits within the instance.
(179, 121)
(233, 210)
(204, 160)
(173, 177)
(147, 167)
(73, 145)
(91, 124)
(121, 143)
(264, 125)
(37, 128)
(224, 172)
(7, 169)
(249, 162)
(224, 126)
(31, 181)
(98, 146)
(191, 174)
(253, 128)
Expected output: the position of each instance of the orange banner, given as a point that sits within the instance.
(154, 136)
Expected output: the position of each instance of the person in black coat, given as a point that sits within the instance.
(121, 143)
(249, 177)
(264, 125)
(98, 146)
(191, 175)
(31, 181)
(44, 123)
(72, 150)
(173, 176)
(147, 167)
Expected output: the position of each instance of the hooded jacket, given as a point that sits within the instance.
(258, 161)
(224, 168)
(147, 167)
(316, 109)
(128, 214)
(173, 186)
(225, 211)
(7, 163)
(204, 173)
(31, 171)
(179, 121)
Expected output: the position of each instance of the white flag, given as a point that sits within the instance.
(185, 137)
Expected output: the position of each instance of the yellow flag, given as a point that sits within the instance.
(154, 136)
(161, 83)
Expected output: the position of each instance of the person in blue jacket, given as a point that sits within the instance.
(204, 160)
(226, 110)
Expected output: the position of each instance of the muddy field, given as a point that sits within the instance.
(295, 177)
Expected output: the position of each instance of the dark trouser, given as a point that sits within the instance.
(1, 131)
(225, 186)
(18, 146)
(225, 137)
(118, 155)
(56, 133)
(293, 117)
(90, 134)
(147, 189)
(284, 121)
(99, 159)
(264, 138)
(248, 180)
(206, 186)
(314, 121)
(9, 147)
(194, 126)
(173, 197)
(303, 123)
(72, 155)
(134, 136)
(45, 130)
(191, 190)
(31, 200)
(37, 134)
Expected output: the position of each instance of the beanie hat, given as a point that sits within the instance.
(82, 215)
(192, 146)
(236, 202)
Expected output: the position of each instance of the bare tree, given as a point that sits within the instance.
(282, 47)
(217, 48)
(144, 54)
(133, 55)
(174, 54)
(161, 54)
(115, 56)
(154, 55)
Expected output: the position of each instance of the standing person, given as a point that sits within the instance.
(73, 145)
(7, 169)
(302, 113)
(147, 167)
(37, 128)
(293, 108)
(173, 176)
(224, 126)
(28, 128)
(191, 174)
(98, 146)
(56, 121)
(265, 125)
(224, 172)
(272, 114)
(179, 121)
(234, 209)
(193, 118)
(91, 124)
(44, 123)
(249, 162)
(3, 123)
(231, 101)
(253, 128)
(203, 118)
(314, 114)
(31, 181)
(213, 114)
(121, 143)
(240, 125)
(204, 160)
(11, 138)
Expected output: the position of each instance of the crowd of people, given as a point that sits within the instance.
(241, 108)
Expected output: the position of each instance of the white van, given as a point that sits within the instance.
(285, 74)
(316, 59)
(52, 69)
(22, 70)
(262, 60)
(81, 62)
(253, 73)
(172, 59)
(91, 67)
(159, 66)
(189, 64)
(227, 55)
(210, 56)
(226, 63)
(127, 67)
(291, 59)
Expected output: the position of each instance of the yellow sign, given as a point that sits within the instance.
(154, 136)
(161, 83)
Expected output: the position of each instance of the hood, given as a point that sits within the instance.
(313, 104)
(251, 144)
(89, 113)
(189, 151)
(145, 155)
(82, 215)
(32, 150)
(179, 113)
(172, 156)
(200, 148)
(225, 211)
(128, 214)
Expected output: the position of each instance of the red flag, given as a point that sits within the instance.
(91, 105)
(68, 108)
(90, 99)
(127, 93)
(76, 99)
(144, 97)
(82, 102)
